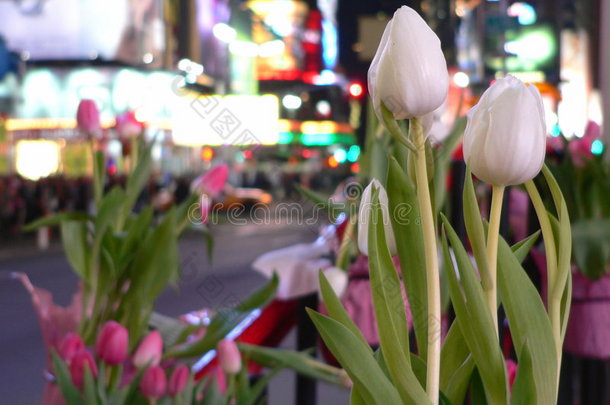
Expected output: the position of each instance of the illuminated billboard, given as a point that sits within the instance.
(228, 120)
(128, 31)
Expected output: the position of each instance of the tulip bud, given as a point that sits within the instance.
(212, 182)
(229, 356)
(71, 345)
(178, 380)
(409, 72)
(128, 126)
(505, 138)
(111, 344)
(511, 368)
(77, 367)
(153, 382)
(364, 214)
(88, 118)
(149, 351)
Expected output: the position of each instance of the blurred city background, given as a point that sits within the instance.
(276, 89)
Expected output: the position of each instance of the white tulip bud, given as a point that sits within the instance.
(364, 217)
(409, 72)
(505, 138)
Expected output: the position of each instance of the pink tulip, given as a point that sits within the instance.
(71, 345)
(77, 368)
(127, 125)
(149, 351)
(178, 380)
(153, 382)
(229, 356)
(212, 182)
(580, 148)
(112, 343)
(88, 118)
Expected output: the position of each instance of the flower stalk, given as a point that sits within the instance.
(431, 255)
(493, 234)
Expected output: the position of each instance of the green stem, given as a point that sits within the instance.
(431, 255)
(134, 154)
(493, 234)
(550, 250)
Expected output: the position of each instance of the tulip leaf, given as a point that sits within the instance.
(442, 159)
(74, 241)
(528, 321)
(69, 392)
(390, 310)
(394, 130)
(99, 175)
(419, 368)
(456, 365)
(336, 310)
(89, 391)
(523, 247)
(474, 318)
(183, 211)
(355, 397)
(357, 361)
(334, 209)
(475, 229)
(137, 178)
(55, 220)
(301, 362)
(406, 224)
(524, 387)
(564, 247)
(226, 320)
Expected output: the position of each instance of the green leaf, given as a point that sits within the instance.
(393, 129)
(300, 362)
(184, 210)
(357, 360)
(68, 390)
(474, 318)
(564, 247)
(528, 321)
(442, 160)
(137, 179)
(456, 365)
(524, 387)
(99, 176)
(592, 246)
(108, 211)
(89, 389)
(390, 310)
(136, 232)
(74, 240)
(319, 200)
(406, 224)
(523, 247)
(419, 368)
(336, 310)
(55, 220)
(475, 229)
(355, 397)
(227, 320)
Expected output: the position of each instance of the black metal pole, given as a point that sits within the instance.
(306, 339)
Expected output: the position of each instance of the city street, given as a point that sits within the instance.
(236, 246)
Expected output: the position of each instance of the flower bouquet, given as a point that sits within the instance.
(125, 257)
(504, 144)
